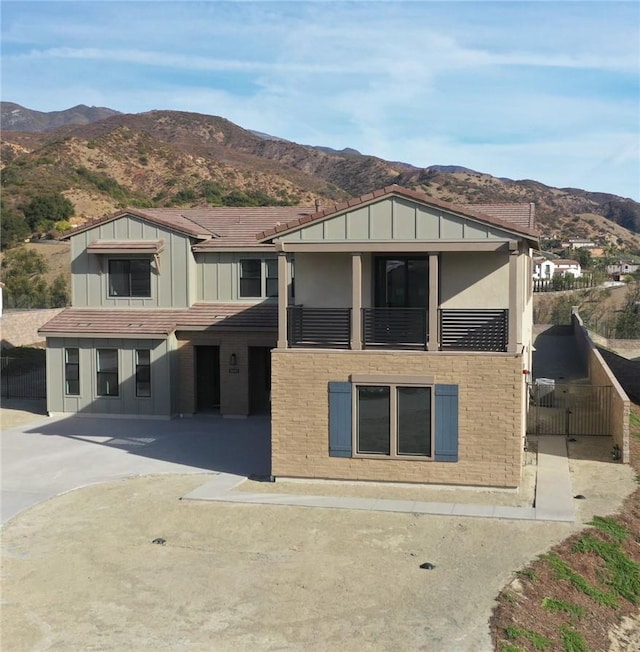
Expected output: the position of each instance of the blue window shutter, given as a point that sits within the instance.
(446, 423)
(339, 419)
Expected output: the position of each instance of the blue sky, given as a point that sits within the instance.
(540, 90)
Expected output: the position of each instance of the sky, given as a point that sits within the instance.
(520, 89)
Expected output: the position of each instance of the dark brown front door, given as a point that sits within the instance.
(207, 378)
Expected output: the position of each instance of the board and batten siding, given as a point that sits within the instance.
(170, 285)
(160, 403)
(391, 219)
(218, 275)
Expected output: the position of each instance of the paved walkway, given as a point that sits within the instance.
(553, 502)
(49, 456)
(556, 354)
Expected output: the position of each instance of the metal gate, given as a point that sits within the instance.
(569, 409)
(22, 378)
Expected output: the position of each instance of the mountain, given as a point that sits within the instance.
(14, 117)
(162, 158)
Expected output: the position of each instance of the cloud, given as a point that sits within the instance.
(491, 83)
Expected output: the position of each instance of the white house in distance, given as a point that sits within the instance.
(621, 268)
(577, 243)
(544, 268)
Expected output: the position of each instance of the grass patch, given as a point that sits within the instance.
(555, 605)
(510, 647)
(565, 572)
(634, 422)
(624, 573)
(538, 641)
(509, 597)
(528, 574)
(611, 527)
(572, 640)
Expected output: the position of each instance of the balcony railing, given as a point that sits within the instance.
(474, 330)
(319, 327)
(394, 328)
(398, 328)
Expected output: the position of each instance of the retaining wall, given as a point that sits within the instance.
(600, 374)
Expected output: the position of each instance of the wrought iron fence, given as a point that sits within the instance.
(22, 378)
(560, 283)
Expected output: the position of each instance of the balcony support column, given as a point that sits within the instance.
(283, 299)
(356, 302)
(515, 303)
(434, 302)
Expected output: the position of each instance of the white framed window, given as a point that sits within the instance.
(107, 372)
(72, 371)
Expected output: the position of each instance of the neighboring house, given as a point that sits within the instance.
(576, 243)
(621, 268)
(544, 268)
(400, 352)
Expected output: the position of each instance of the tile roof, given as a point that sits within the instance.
(523, 214)
(120, 246)
(224, 227)
(169, 218)
(216, 227)
(469, 210)
(161, 323)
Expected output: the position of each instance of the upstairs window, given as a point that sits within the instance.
(130, 277)
(251, 278)
(258, 278)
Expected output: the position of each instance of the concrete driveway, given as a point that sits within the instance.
(83, 572)
(48, 456)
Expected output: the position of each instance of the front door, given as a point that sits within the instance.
(207, 378)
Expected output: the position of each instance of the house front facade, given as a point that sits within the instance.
(389, 336)
(547, 268)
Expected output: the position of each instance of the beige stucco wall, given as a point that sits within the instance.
(323, 280)
(474, 280)
(491, 390)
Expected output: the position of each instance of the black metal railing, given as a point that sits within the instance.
(394, 328)
(325, 327)
(474, 330)
(20, 378)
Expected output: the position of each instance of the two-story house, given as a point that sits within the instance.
(390, 335)
(547, 268)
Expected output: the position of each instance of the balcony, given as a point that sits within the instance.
(474, 330)
(398, 328)
(394, 328)
(328, 328)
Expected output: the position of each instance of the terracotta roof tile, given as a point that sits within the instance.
(161, 323)
(512, 217)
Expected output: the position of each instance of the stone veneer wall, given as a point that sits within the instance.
(234, 383)
(600, 374)
(491, 433)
